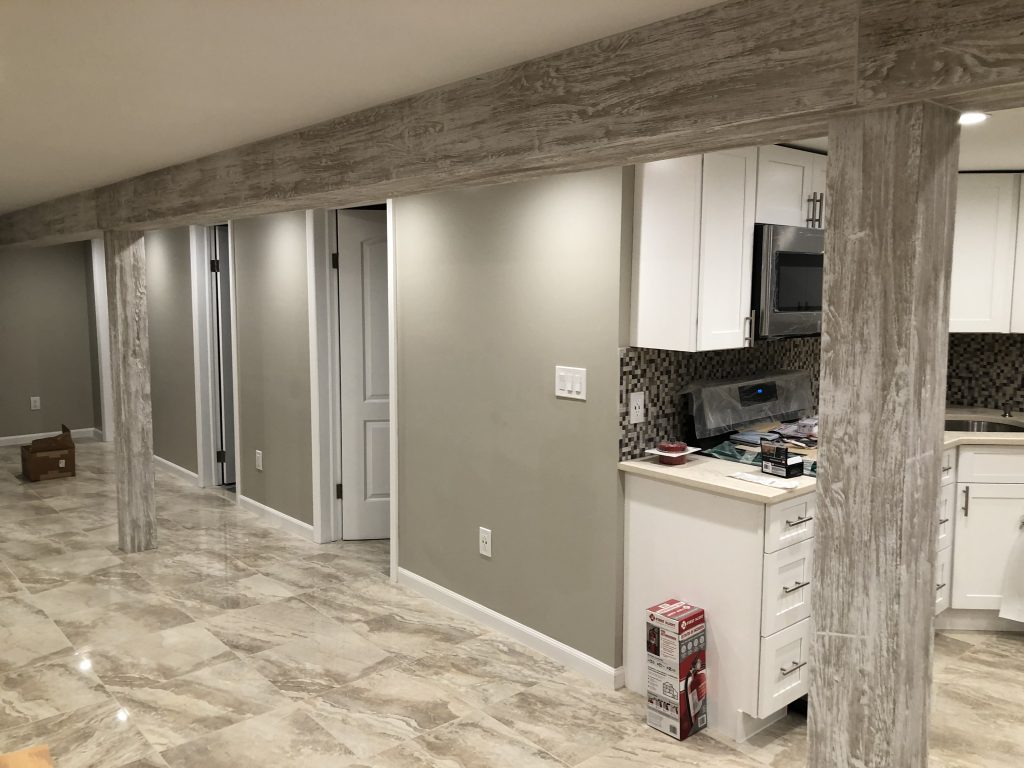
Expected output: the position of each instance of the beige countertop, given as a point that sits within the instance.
(705, 473)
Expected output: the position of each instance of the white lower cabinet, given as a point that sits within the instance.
(943, 579)
(987, 526)
(784, 675)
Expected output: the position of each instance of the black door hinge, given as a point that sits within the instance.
(222, 457)
(334, 265)
(337, 491)
(214, 265)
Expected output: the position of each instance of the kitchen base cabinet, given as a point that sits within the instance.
(987, 526)
(748, 566)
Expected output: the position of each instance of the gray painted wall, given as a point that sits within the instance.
(171, 346)
(47, 345)
(273, 362)
(496, 286)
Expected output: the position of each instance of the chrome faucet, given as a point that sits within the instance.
(1008, 409)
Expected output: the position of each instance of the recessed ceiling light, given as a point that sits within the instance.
(972, 118)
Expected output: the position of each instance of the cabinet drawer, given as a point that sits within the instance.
(943, 579)
(786, 587)
(949, 466)
(947, 514)
(991, 464)
(784, 674)
(789, 522)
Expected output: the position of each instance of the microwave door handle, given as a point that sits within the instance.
(821, 210)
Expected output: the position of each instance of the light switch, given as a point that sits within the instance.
(571, 382)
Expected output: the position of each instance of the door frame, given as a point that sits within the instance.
(205, 355)
(325, 380)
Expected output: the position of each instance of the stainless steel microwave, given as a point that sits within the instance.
(788, 268)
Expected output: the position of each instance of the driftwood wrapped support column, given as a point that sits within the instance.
(889, 241)
(133, 420)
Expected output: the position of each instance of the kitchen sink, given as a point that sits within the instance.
(957, 425)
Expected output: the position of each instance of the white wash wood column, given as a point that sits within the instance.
(133, 420)
(888, 243)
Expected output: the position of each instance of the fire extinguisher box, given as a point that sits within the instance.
(676, 668)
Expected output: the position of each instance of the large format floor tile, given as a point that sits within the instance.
(238, 644)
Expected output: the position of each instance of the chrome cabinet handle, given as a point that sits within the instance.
(967, 501)
(946, 469)
(799, 521)
(795, 666)
(812, 204)
(748, 326)
(798, 586)
(943, 520)
(939, 586)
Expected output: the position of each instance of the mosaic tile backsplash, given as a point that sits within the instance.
(663, 374)
(985, 370)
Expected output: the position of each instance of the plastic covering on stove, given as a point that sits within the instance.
(719, 408)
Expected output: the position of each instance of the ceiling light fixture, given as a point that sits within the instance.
(972, 118)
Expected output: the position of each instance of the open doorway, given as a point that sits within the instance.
(361, 294)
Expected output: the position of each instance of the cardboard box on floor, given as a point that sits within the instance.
(49, 457)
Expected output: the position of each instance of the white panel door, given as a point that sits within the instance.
(726, 249)
(987, 526)
(363, 319)
(984, 249)
(666, 247)
(785, 178)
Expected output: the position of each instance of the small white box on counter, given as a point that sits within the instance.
(676, 668)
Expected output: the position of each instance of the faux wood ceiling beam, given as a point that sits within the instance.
(741, 72)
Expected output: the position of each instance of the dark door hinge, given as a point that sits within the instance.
(337, 491)
(222, 457)
(334, 265)
(214, 265)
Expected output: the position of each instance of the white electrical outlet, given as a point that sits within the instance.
(637, 414)
(571, 382)
(34, 404)
(259, 460)
(485, 542)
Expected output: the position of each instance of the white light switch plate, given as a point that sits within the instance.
(34, 404)
(259, 460)
(570, 382)
(637, 413)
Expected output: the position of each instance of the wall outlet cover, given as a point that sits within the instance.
(259, 460)
(485, 542)
(34, 403)
(637, 411)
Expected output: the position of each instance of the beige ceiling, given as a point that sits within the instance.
(92, 91)
(995, 145)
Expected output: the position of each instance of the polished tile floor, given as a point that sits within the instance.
(237, 644)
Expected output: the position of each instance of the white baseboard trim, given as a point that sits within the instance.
(290, 524)
(89, 433)
(959, 619)
(594, 670)
(180, 472)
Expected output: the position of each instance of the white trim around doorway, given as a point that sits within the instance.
(102, 310)
(393, 383)
(204, 355)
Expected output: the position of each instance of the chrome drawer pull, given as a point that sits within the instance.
(946, 469)
(943, 520)
(939, 586)
(798, 521)
(796, 665)
(795, 587)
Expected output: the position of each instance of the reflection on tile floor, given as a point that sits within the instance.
(237, 644)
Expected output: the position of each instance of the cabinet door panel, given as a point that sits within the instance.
(784, 676)
(784, 182)
(726, 249)
(984, 248)
(987, 525)
(666, 253)
(786, 587)
(947, 514)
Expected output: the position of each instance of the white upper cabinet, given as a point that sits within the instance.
(693, 251)
(982, 293)
(788, 183)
